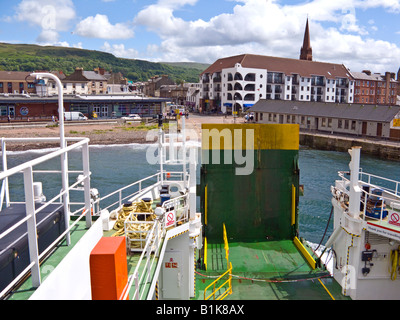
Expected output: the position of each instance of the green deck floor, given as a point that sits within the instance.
(25, 290)
(273, 270)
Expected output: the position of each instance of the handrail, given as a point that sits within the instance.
(30, 219)
(34, 162)
(227, 292)
(229, 266)
(175, 203)
(388, 195)
(226, 245)
(153, 244)
(368, 176)
(119, 192)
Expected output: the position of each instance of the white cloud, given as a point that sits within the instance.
(119, 50)
(51, 16)
(48, 14)
(100, 27)
(270, 28)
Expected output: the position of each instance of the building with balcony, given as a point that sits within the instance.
(237, 83)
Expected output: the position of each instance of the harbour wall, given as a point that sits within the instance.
(382, 149)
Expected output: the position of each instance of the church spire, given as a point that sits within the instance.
(306, 50)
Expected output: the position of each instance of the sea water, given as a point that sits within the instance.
(113, 167)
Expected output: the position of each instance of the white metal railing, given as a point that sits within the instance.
(140, 281)
(137, 231)
(390, 193)
(132, 190)
(180, 208)
(27, 170)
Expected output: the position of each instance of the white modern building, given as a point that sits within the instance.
(236, 83)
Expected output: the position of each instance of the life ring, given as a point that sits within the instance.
(175, 189)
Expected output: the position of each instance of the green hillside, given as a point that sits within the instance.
(25, 57)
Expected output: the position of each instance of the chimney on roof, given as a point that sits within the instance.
(79, 71)
(306, 50)
(367, 72)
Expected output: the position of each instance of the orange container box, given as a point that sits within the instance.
(109, 269)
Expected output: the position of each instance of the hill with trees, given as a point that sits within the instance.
(27, 57)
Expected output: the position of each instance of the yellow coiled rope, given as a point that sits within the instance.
(136, 231)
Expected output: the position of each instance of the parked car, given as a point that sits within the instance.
(132, 117)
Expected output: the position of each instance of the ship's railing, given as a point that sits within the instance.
(378, 195)
(27, 169)
(177, 209)
(147, 262)
(137, 230)
(226, 285)
(116, 198)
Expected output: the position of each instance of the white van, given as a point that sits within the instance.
(74, 116)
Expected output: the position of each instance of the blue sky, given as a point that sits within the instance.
(361, 34)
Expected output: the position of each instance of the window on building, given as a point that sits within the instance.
(303, 119)
(339, 125)
(353, 125)
(288, 119)
(323, 122)
(346, 124)
(329, 123)
(269, 116)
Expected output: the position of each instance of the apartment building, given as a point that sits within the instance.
(14, 82)
(236, 83)
(374, 88)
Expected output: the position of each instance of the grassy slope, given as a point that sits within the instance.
(25, 57)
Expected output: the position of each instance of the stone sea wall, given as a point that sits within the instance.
(382, 149)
